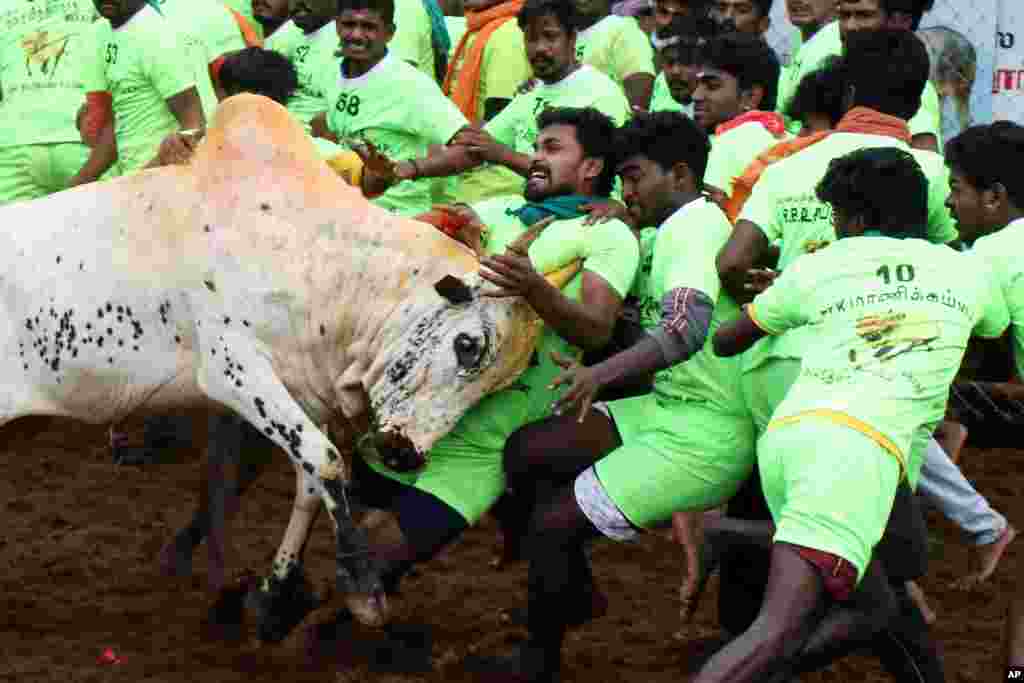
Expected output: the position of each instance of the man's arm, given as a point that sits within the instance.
(187, 109)
(587, 323)
(736, 336)
(482, 145)
(638, 88)
(102, 157)
(747, 248)
(925, 141)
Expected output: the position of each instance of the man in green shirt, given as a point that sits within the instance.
(46, 49)
(734, 103)
(617, 468)
(374, 96)
(679, 48)
(616, 47)
(463, 477)
(814, 44)
(890, 330)
(872, 15)
(151, 72)
(507, 140)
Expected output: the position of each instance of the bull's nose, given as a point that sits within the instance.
(398, 452)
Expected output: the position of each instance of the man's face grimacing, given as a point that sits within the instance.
(559, 165)
(363, 35)
(742, 16)
(309, 15)
(550, 48)
(810, 12)
(717, 98)
(647, 190)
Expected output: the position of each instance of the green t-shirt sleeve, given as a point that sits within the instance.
(928, 119)
(633, 51)
(760, 207)
(995, 305)
(435, 117)
(614, 105)
(94, 69)
(164, 67)
(782, 307)
(504, 66)
(690, 243)
(732, 152)
(503, 126)
(941, 227)
(612, 252)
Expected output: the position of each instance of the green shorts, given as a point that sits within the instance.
(765, 386)
(33, 171)
(828, 487)
(464, 469)
(675, 455)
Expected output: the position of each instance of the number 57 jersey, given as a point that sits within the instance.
(890, 319)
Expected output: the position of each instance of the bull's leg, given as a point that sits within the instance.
(237, 374)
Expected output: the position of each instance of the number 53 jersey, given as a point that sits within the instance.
(402, 112)
(890, 319)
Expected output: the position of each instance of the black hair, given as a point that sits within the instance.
(888, 70)
(990, 154)
(688, 34)
(749, 59)
(883, 185)
(666, 138)
(259, 71)
(564, 11)
(821, 91)
(595, 132)
(386, 8)
(764, 7)
(914, 8)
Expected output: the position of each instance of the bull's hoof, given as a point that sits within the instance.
(281, 604)
(526, 664)
(224, 619)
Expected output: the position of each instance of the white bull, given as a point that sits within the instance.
(256, 279)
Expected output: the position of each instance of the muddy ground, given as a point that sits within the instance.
(78, 575)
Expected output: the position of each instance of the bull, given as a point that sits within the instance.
(254, 279)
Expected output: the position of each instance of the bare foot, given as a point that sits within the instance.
(918, 597)
(688, 531)
(982, 560)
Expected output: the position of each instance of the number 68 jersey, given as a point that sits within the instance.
(890, 319)
(402, 112)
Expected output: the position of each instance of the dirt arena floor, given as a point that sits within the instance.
(78, 575)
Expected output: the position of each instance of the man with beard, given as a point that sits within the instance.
(508, 139)
(678, 45)
(378, 98)
(618, 48)
(270, 15)
(421, 512)
(752, 17)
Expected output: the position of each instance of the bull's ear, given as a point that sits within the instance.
(453, 289)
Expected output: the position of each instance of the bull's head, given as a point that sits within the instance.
(459, 347)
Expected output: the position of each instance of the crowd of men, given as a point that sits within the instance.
(782, 268)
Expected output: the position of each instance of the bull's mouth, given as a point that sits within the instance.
(397, 451)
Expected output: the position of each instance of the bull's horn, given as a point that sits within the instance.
(522, 243)
(560, 278)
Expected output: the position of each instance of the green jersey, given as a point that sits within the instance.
(503, 65)
(211, 31)
(616, 47)
(399, 110)
(783, 205)
(684, 256)
(999, 250)
(313, 55)
(516, 125)
(413, 41)
(928, 118)
(147, 62)
(732, 152)
(890, 329)
(807, 57)
(45, 50)
(662, 100)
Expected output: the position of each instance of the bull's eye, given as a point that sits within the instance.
(468, 350)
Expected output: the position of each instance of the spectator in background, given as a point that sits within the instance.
(679, 45)
(416, 36)
(817, 39)
(642, 12)
(745, 16)
(617, 47)
(45, 52)
(269, 15)
(817, 102)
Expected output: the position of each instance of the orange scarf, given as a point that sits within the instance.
(772, 122)
(857, 120)
(249, 34)
(464, 90)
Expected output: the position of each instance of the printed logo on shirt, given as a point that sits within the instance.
(44, 51)
(348, 104)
